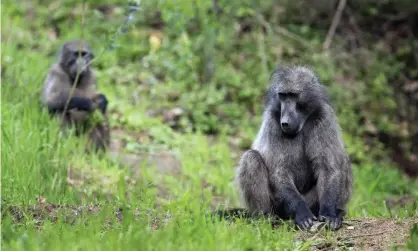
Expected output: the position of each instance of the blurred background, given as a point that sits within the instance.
(185, 82)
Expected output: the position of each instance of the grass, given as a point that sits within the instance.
(161, 211)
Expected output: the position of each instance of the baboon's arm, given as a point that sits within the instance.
(291, 201)
(329, 187)
(327, 155)
(58, 90)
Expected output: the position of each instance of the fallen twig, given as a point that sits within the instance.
(334, 24)
(293, 36)
(283, 31)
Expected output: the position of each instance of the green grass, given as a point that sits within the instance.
(172, 208)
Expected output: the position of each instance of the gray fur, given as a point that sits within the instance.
(75, 57)
(305, 175)
(61, 77)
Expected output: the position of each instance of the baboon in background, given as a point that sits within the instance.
(297, 166)
(74, 57)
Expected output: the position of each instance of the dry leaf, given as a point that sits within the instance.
(317, 226)
(41, 200)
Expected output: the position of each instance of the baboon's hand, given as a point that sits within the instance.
(304, 219)
(101, 102)
(333, 223)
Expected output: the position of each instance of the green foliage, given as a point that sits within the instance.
(413, 241)
(175, 54)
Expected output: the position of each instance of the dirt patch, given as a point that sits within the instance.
(42, 211)
(165, 161)
(69, 214)
(362, 234)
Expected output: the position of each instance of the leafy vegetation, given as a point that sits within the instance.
(187, 80)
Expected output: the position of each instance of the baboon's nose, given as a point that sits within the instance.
(285, 125)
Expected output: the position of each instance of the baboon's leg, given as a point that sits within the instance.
(289, 202)
(329, 191)
(252, 178)
(311, 198)
(98, 138)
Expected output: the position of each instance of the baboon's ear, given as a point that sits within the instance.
(62, 51)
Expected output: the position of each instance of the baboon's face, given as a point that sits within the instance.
(76, 59)
(294, 95)
(293, 112)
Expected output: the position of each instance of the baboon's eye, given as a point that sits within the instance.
(287, 95)
(82, 53)
(282, 95)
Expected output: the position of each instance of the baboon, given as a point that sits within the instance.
(297, 166)
(74, 58)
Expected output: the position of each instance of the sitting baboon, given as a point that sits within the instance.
(74, 58)
(297, 166)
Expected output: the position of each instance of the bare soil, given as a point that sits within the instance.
(362, 234)
(164, 161)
